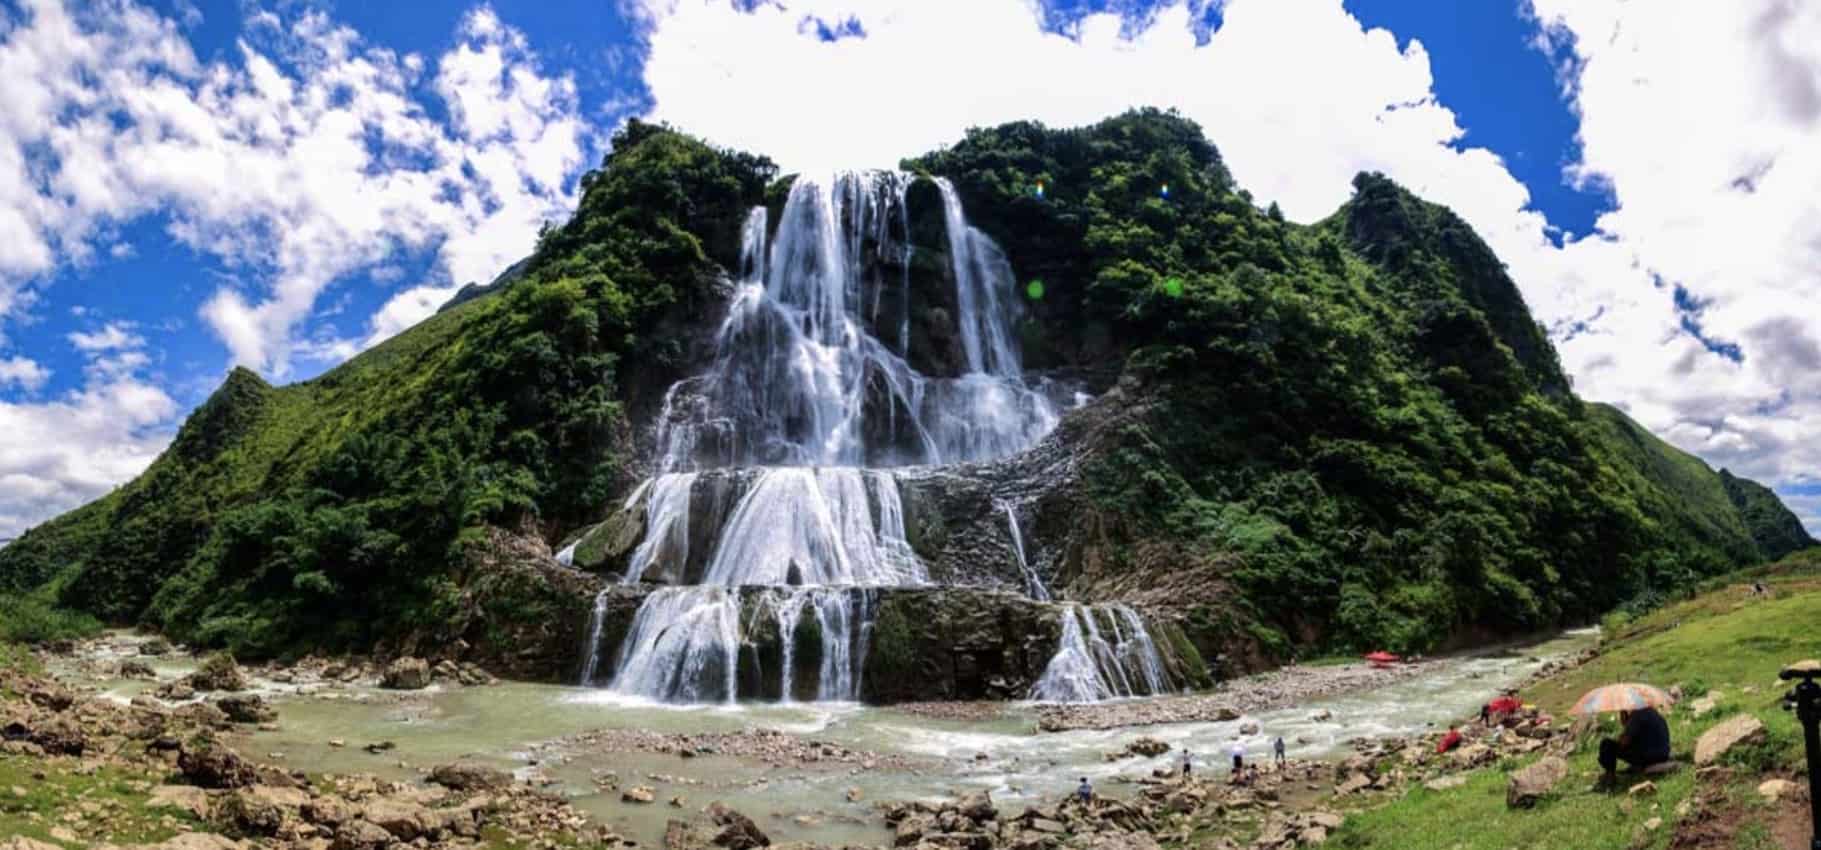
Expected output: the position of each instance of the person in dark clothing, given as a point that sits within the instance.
(1277, 747)
(1644, 742)
(1084, 791)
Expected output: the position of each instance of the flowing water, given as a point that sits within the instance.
(1105, 652)
(512, 725)
(811, 390)
(1032, 581)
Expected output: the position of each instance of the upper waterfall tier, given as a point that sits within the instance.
(812, 365)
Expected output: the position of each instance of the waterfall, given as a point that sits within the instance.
(566, 555)
(666, 522)
(1033, 582)
(811, 387)
(595, 621)
(1087, 667)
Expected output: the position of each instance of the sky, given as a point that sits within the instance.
(191, 185)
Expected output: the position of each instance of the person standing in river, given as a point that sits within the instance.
(1186, 763)
(1239, 758)
(1277, 749)
(1084, 792)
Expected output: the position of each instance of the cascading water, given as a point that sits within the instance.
(1033, 582)
(808, 388)
(1089, 667)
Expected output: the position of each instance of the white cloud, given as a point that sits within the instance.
(23, 373)
(303, 159)
(1705, 123)
(72, 450)
(112, 335)
(1299, 97)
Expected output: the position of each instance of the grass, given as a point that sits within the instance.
(1728, 640)
(112, 801)
(30, 618)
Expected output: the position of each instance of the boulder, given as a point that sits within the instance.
(194, 841)
(360, 835)
(1730, 733)
(327, 811)
(1473, 755)
(219, 673)
(1353, 784)
(1528, 785)
(403, 819)
(467, 776)
(176, 691)
(184, 798)
(155, 647)
(1147, 746)
(247, 708)
(738, 832)
(250, 815)
(137, 670)
(638, 794)
(209, 764)
(978, 807)
(1774, 790)
(1322, 716)
(1249, 727)
(406, 674)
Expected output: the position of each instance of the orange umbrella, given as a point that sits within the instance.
(1625, 696)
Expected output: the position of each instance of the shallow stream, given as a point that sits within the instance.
(538, 732)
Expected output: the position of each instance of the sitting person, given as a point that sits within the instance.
(1644, 742)
(1449, 741)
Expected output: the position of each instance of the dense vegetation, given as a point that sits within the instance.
(1360, 413)
(1363, 410)
(333, 512)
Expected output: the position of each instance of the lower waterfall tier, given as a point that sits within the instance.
(879, 645)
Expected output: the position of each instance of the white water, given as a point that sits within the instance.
(804, 388)
(1033, 582)
(1089, 667)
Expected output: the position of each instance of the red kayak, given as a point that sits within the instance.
(1382, 658)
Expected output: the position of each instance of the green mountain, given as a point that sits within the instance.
(1338, 435)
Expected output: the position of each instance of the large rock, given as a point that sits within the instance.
(467, 776)
(184, 798)
(250, 815)
(406, 674)
(977, 806)
(247, 708)
(211, 764)
(403, 819)
(360, 835)
(738, 832)
(219, 673)
(137, 670)
(1732, 732)
(1530, 784)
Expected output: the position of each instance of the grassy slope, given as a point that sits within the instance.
(1724, 640)
(1672, 486)
(290, 430)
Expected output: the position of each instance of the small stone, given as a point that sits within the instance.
(1643, 789)
(854, 794)
(678, 801)
(638, 794)
(337, 743)
(1653, 824)
(1775, 789)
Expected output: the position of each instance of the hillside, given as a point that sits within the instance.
(1299, 438)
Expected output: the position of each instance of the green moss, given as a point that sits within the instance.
(122, 792)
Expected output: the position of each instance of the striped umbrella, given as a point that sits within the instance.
(1625, 696)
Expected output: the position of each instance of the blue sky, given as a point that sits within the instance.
(160, 240)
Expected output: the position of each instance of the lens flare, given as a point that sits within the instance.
(1172, 286)
(1165, 191)
(1034, 289)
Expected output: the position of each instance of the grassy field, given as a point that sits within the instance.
(1729, 640)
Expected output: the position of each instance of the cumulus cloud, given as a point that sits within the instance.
(1705, 123)
(111, 336)
(1711, 151)
(23, 373)
(303, 158)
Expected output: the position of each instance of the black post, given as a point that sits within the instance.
(1807, 700)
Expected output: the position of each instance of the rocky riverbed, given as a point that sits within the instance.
(555, 762)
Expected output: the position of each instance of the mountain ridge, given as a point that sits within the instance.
(1354, 429)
